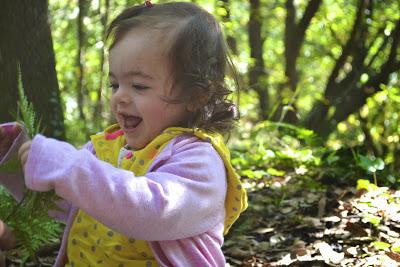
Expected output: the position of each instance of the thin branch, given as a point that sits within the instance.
(104, 21)
(311, 9)
(80, 59)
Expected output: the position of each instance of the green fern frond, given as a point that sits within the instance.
(29, 219)
(27, 114)
(32, 229)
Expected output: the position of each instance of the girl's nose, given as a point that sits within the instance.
(122, 95)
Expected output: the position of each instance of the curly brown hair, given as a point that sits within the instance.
(197, 54)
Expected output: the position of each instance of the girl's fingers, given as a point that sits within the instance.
(24, 157)
(2, 259)
(7, 238)
(24, 152)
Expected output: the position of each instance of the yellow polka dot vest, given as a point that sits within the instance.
(92, 243)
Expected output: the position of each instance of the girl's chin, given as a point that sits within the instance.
(134, 144)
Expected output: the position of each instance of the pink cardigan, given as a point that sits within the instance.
(178, 205)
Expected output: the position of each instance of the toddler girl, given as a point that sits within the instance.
(157, 188)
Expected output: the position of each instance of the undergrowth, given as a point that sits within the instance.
(29, 218)
(275, 149)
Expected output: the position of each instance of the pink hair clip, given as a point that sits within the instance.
(148, 4)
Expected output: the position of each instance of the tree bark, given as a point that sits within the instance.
(29, 45)
(294, 38)
(80, 59)
(8, 64)
(226, 18)
(257, 69)
(98, 107)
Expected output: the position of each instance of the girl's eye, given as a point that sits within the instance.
(139, 87)
(114, 86)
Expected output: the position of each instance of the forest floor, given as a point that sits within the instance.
(297, 222)
(300, 222)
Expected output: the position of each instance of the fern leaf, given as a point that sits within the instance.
(29, 218)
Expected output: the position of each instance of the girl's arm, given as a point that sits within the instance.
(14, 183)
(64, 206)
(183, 195)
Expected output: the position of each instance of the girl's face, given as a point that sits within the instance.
(140, 77)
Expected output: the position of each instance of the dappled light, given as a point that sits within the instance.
(317, 85)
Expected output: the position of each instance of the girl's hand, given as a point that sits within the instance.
(7, 238)
(23, 153)
(2, 259)
(7, 241)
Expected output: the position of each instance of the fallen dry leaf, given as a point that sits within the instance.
(264, 230)
(393, 255)
(351, 251)
(356, 229)
(329, 255)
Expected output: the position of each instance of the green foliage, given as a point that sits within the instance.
(328, 32)
(375, 132)
(27, 115)
(381, 245)
(370, 164)
(30, 223)
(275, 149)
(271, 149)
(365, 184)
(29, 219)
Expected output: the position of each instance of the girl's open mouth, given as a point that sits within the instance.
(130, 122)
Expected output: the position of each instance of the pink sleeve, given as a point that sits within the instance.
(183, 195)
(63, 206)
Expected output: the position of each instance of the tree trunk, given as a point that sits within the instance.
(226, 19)
(294, 38)
(29, 44)
(257, 70)
(80, 60)
(98, 107)
(8, 64)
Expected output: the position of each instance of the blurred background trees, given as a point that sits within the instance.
(26, 54)
(329, 66)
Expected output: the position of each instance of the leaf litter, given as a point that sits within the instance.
(290, 224)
